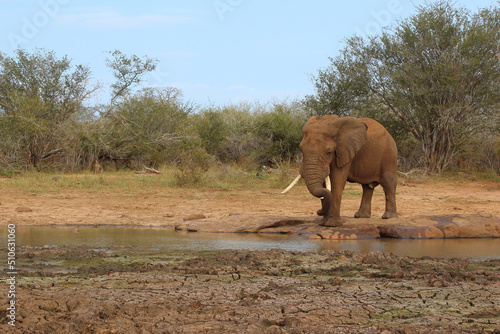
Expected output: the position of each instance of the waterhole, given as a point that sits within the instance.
(169, 239)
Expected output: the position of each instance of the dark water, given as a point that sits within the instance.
(168, 239)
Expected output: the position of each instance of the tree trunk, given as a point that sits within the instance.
(438, 150)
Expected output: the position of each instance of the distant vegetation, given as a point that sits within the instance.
(433, 80)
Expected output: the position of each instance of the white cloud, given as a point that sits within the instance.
(116, 20)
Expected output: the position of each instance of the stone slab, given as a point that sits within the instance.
(238, 224)
(446, 227)
(417, 227)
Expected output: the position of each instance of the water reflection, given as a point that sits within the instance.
(471, 248)
(161, 238)
(168, 239)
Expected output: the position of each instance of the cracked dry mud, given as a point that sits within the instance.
(136, 290)
(130, 290)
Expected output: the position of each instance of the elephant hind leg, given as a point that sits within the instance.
(365, 209)
(390, 199)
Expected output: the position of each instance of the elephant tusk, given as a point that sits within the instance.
(328, 184)
(294, 182)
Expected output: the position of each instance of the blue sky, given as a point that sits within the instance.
(215, 51)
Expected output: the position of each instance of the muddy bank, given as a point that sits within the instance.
(134, 290)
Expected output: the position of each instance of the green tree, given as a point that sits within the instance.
(38, 94)
(281, 130)
(228, 132)
(241, 140)
(213, 131)
(120, 131)
(436, 74)
(148, 127)
(128, 71)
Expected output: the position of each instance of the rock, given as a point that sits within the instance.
(438, 227)
(23, 209)
(195, 216)
(236, 224)
(306, 226)
(471, 226)
(350, 233)
(72, 304)
(418, 227)
(410, 232)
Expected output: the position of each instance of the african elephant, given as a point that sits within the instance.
(348, 149)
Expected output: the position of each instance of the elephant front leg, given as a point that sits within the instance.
(325, 202)
(331, 221)
(333, 217)
(325, 207)
(338, 183)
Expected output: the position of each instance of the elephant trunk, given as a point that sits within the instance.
(315, 184)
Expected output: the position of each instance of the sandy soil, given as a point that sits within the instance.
(162, 208)
(131, 290)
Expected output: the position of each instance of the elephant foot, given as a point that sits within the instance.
(361, 214)
(331, 221)
(388, 215)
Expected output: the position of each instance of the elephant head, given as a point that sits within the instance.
(328, 142)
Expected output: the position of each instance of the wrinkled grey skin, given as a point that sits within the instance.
(348, 149)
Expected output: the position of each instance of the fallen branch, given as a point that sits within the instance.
(151, 170)
(57, 150)
(413, 171)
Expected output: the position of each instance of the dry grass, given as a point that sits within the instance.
(222, 177)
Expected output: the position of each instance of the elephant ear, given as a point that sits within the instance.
(312, 119)
(350, 138)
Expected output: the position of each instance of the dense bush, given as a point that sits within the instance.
(252, 134)
(433, 81)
